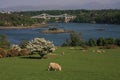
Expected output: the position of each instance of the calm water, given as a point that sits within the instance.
(87, 30)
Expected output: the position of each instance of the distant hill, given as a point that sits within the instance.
(21, 8)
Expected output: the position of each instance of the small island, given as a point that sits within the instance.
(55, 30)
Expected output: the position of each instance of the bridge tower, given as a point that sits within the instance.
(68, 17)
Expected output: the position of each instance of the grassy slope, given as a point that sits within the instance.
(76, 65)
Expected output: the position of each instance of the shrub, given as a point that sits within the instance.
(12, 53)
(108, 47)
(2, 53)
(74, 40)
(91, 42)
(117, 42)
(23, 44)
(100, 41)
(109, 41)
(4, 42)
(23, 52)
(15, 47)
(85, 47)
(16, 51)
(41, 46)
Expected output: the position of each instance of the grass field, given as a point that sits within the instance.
(76, 65)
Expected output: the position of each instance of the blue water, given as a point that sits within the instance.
(15, 36)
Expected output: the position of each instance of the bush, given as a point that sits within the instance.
(23, 52)
(109, 41)
(108, 47)
(100, 41)
(15, 47)
(2, 53)
(74, 40)
(23, 44)
(12, 53)
(91, 42)
(4, 42)
(41, 46)
(85, 47)
(117, 42)
(16, 51)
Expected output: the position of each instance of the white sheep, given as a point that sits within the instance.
(54, 67)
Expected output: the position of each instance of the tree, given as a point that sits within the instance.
(75, 39)
(40, 46)
(91, 42)
(23, 43)
(4, 42)
(109, 41)
(67, 42)
(117, 41)
(100, 41)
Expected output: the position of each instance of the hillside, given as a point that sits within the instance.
(76, 64)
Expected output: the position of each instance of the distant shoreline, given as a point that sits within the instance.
(24, 27)
(56, 31)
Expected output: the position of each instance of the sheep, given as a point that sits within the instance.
(54, 67)
(99, 51)
(103, 51)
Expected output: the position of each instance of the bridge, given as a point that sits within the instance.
(45, 16)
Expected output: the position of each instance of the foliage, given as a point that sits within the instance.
(15, 52)
(2, 53)
(109, 41)
(101, 41)
(105, 41)
(108, 47)
(4, 42)
(117, 41)
(23, 43)
(17, 20)
(41, 46)
(53, 28)
(23, 52)
(110, 16)
(12, 53)
(83, 16)
(91, 42)
(16, 47)
(74, 40)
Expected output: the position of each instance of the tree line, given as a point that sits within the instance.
(17, 20)
(110, 16)
(82, 16)
(75, 39)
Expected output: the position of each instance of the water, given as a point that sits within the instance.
(87, 30)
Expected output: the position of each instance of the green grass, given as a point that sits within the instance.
(76, 65)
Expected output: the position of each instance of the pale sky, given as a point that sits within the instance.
(62, 4)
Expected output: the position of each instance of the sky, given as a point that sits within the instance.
(62, 4)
